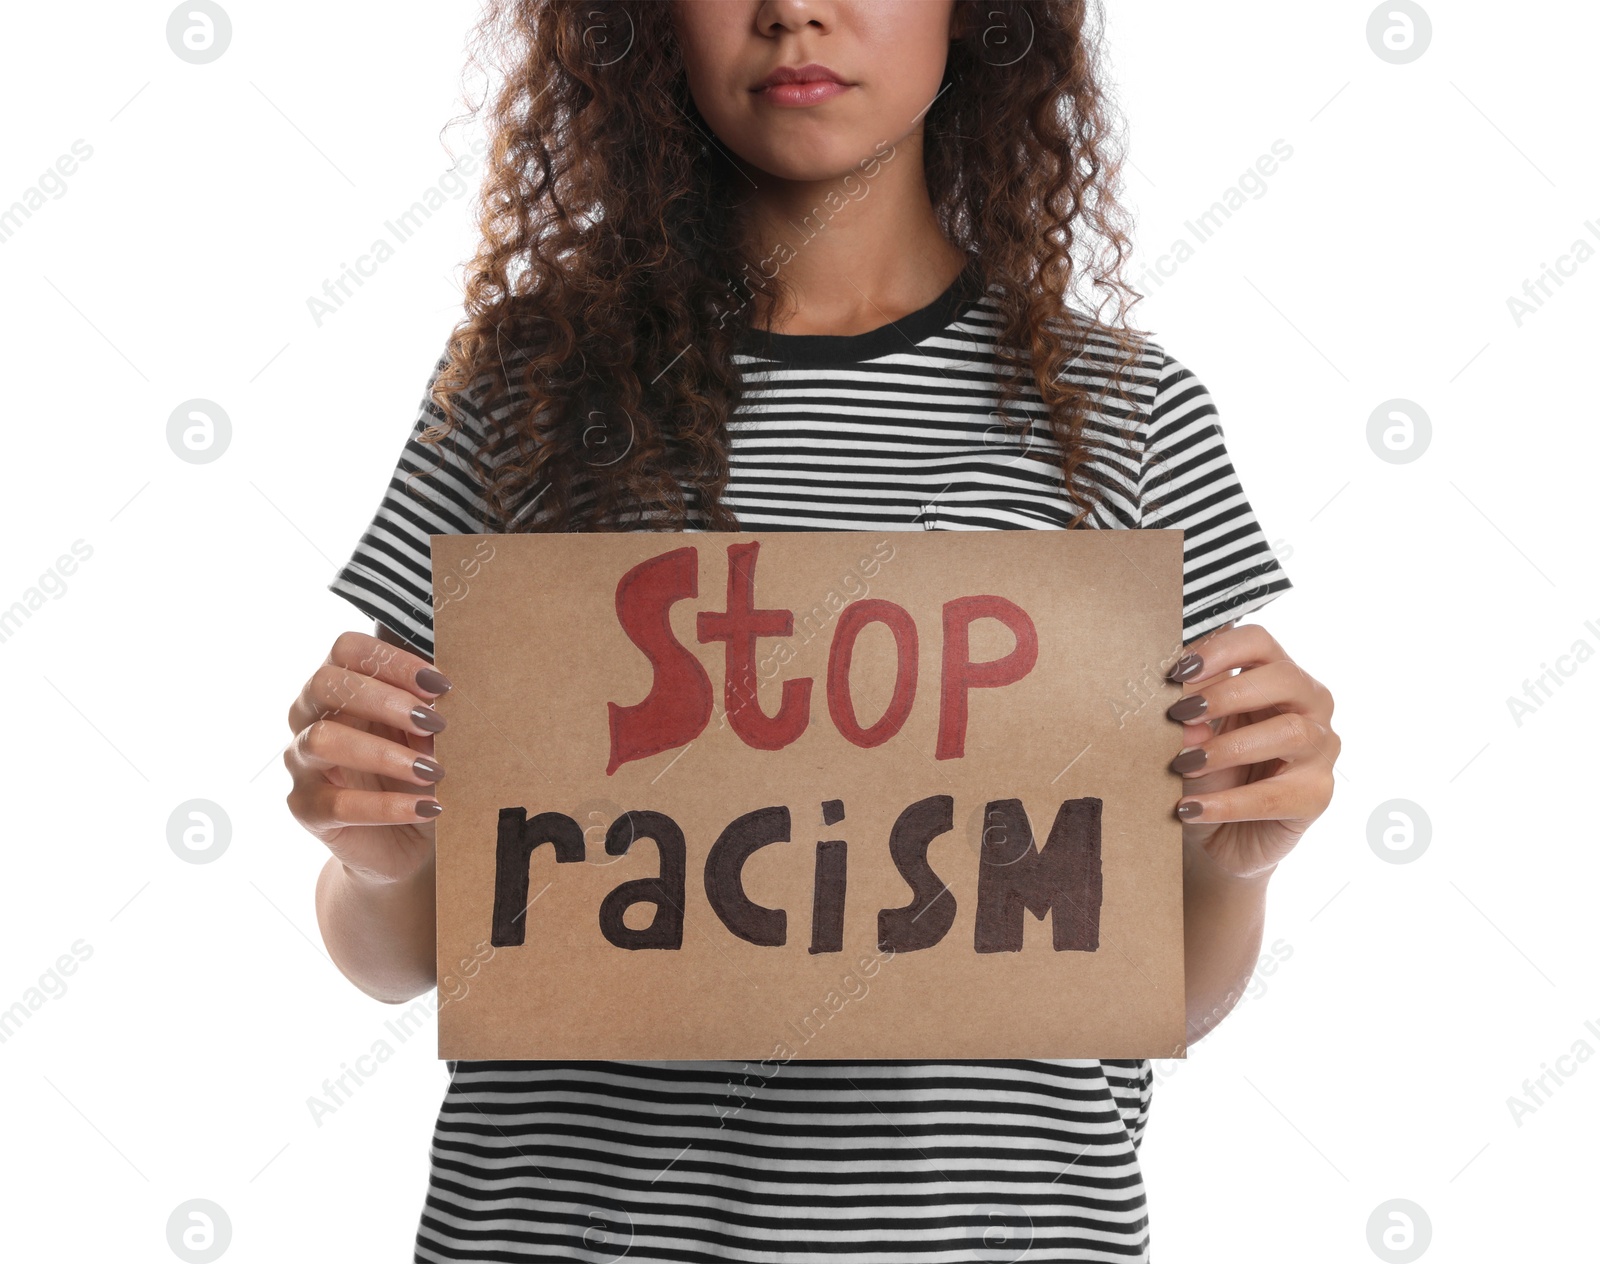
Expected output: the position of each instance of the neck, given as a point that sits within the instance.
(855, 251)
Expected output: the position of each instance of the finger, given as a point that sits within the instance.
(388, 661)
(321, 806)
(1292, 737)
(1223, 650)
(1274, 686)
(326, 743)
(388, 854)
(338, 692)
(1297, 795)
(357, 658)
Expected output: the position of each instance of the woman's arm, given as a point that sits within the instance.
(1223, 916)
(379, 934)
(1258, 770)
(379, 926)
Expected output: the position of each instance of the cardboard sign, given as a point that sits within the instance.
(834, 794)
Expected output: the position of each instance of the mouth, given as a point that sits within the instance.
(811, 72)
(800, 85)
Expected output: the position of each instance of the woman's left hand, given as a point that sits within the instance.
(1258, 749)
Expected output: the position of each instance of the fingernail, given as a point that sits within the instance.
(427, 718)
(433, 681)
(1190, 708)
(427, 769)
(1188, 811)
(429, 807)
(1185, 667)
(1189, 760)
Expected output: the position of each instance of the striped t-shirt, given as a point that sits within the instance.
(852, 1162)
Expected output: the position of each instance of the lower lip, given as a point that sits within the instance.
(802, 93)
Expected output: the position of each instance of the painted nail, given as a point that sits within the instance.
(1191, 760)
(429, 807)
(1190, 708)
(433, 681)
(427, 718)
(1188, 811)
(427, 769)
(1187, 666)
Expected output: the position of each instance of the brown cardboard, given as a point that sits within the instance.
(528, 629)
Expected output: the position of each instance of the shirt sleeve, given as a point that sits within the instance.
(1187, 481)
(434, 490)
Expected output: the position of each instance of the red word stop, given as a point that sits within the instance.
(679, 704)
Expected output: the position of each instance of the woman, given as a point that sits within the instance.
(804, 264)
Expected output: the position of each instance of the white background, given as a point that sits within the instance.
(1375, 1063)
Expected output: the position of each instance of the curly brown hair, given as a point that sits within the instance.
(601, 316)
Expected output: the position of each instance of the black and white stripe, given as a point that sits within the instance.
(856, 1162)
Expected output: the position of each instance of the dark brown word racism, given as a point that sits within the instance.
(1062, 879)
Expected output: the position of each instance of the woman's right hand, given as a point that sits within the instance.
(362, 756)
